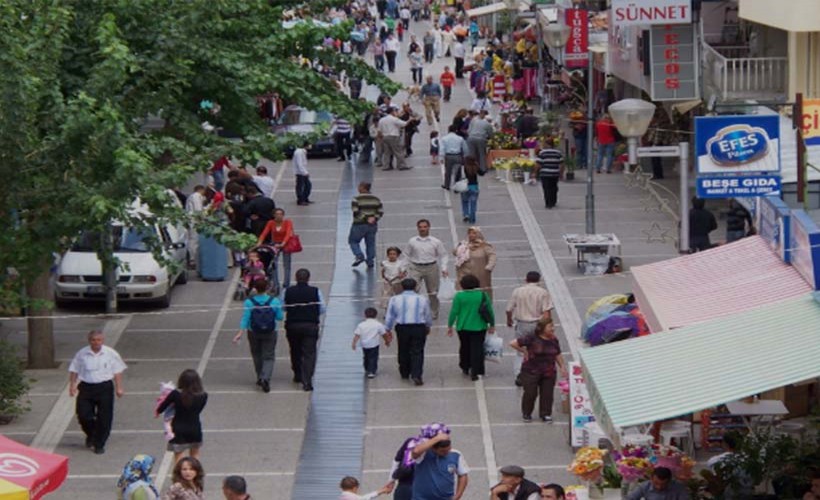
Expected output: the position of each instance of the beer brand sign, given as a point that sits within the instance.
(577, 50)
(651, 12)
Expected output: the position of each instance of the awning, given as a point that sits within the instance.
(661, 376)
(27, 473)
(486, 10)
(732, 278)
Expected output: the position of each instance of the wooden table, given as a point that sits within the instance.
(758, 415)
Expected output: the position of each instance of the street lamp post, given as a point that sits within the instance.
(632, 118)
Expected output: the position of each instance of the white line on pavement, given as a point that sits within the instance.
(561, 297)
(55, 424)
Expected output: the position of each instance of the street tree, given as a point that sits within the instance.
(82, 81)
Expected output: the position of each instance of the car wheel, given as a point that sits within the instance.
(183, 277)
(164, 302)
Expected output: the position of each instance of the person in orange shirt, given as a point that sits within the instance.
(447, 79)
(605, 133)
(277, 232)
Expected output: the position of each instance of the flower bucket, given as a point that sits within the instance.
(671, 463)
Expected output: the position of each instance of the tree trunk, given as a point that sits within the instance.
(40, 328)
(109, 270)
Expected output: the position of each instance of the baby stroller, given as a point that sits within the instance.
(254, 270)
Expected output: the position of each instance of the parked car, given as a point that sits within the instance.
(140, 276)
(298, 120)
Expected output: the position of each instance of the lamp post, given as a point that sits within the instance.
(556, 36)
(632, 118)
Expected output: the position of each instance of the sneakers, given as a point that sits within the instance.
(99, 450)
(418, 381)
(358, 261)
(547, 419)
(527, 418)
(265, 386)
(371, 375)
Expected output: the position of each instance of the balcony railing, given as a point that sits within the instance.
(744, 77)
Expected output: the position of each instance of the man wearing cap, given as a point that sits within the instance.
(513, 486)
(440, 472)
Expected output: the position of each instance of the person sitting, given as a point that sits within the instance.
(514, 486)
(552, 491)
(661, 486)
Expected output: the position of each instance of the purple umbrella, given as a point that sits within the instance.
(617, 326)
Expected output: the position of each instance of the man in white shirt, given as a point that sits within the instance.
(428, 258)
(194, 205)
(454, 149)
(528, 305)
(390, 127)
(95, 376)
(303, 184)
(459, 52)
(264, 182)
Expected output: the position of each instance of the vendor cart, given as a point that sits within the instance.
(588, 247)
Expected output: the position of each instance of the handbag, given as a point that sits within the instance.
(294, 245)
(462, 185)
(484, 310)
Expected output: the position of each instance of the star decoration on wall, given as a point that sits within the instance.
(650, 204)
(658, 234)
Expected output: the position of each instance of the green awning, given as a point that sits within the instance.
(677, 372)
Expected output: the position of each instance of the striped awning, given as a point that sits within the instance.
(732, 278)
(673, 373)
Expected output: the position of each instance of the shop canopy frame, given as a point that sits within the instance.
(728, 279)
(678, 372)
(487, 10)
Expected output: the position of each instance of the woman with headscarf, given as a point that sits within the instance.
(477, 257)
(135, 481)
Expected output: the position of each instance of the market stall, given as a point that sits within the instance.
(741, 276)
(682, 371)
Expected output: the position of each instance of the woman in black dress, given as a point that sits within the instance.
(188, 399)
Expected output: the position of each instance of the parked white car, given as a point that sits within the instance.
(140, 277)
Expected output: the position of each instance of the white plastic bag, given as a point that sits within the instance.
(460, 186)
(447, 289)
(493, 348)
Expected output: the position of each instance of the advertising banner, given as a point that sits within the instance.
(811, 122)
(805, 247)
(580, 405)
(576, 52)
(650, 12)
(674, 64)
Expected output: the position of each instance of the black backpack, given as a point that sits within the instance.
(263, 317)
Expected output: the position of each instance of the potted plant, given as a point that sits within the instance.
(13, 384)
(569, 168)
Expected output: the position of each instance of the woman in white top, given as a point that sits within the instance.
(417, 65)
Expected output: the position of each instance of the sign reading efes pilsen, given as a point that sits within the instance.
(737, 156)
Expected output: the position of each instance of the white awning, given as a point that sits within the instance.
(486, 10)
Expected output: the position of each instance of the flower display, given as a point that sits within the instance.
(634, 469)
(521, 163)
(588, 463)
(502, 140)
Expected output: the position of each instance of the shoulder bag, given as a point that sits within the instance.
(484, 309)
(294, 245)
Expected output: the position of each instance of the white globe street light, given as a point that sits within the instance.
(556, 35)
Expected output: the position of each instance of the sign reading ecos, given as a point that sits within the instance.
(649, 12)
(737, 156)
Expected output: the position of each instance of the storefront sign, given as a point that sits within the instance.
(651, 12)
(579, 404)
(576, 51)
(742, 144)
(772, 218)
(674, 64)
(805, 247)
(811, 122)
(738, 187)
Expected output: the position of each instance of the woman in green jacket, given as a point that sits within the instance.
(472, 315)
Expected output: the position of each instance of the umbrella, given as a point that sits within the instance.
(28, 473)
(617, 298)
(619, 325)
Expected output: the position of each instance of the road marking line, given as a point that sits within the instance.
(54, 426)
(561, 297)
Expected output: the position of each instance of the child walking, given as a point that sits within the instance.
(394, 269)
(369, 332)
(434, 146)
(350, 490)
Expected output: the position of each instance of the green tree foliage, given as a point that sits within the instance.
(81, 80)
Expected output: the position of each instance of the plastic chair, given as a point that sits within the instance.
(637, 439)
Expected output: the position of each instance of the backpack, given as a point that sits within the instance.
(263, 317)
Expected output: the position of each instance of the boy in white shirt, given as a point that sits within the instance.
(369, 332)
(350, 490)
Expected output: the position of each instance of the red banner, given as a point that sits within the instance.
(577, 50)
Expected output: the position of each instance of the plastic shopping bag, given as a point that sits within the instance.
(493, 348)
(447, 289)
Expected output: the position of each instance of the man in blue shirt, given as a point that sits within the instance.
(440, 472)
(410, 314)
(661, 486)
(262, 343)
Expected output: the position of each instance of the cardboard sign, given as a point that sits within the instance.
(580, 407)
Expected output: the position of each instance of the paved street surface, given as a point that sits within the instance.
(261, 436)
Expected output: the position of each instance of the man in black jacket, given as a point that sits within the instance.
(259, 209)
(736, 221)
(513, 486)
(701, 223)
(304, 305)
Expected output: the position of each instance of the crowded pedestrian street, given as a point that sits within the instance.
(295, 431)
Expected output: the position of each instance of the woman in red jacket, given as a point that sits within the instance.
(276, 233)
(605, 132)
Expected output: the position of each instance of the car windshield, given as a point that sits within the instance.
(126, 239)
(298, 116)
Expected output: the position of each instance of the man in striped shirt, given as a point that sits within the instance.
(549, 162)
(367, 210)
(410, 314)
(341, 129)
